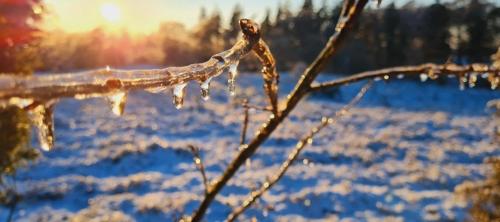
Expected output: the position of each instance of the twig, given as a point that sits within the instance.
(100, 82)
(244, 126)
(307, 139)
(300, 90)
(429, 70)
(199, 165)
(269, 73)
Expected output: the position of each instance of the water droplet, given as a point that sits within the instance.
(117, 102)
(462, 80)
(386, 77)
(42, 117)
(205, 89)
(423, 77)
(233, 72)
(494, 81)
(472, 80)
(400, 76)
(179, 95)
(377, 79)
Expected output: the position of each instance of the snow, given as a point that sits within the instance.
(397, 157)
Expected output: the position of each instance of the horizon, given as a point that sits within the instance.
(145, 17)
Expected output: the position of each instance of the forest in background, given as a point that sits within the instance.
(462, 31)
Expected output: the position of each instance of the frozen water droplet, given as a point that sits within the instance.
(484, 75)
(472, 80)
(42, 117)
(377, 79)
(231, 82)
(462, 80)
(205, 89)
(494, 81)
(400, 76)
(386, 77)
(179, 95)
(117, 102)
(423, 77)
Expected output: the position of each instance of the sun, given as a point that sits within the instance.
(110, 12)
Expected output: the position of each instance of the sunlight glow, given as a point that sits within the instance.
(110, 12)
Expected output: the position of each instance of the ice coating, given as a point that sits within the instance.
(42, 118)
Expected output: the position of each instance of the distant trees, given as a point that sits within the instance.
(463, 31)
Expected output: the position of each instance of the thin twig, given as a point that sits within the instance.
(244, 125)
(96, 83)
(300, 90)
(269, 73)
(307, 139)
(429, 69)
(198, 161)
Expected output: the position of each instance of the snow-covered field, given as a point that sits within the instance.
(396, 157)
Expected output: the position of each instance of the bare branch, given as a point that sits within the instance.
(307, 139)
(269, 73)
(199, 165)
(300, 90)
(244, 126)
(101, 82)
(428, 70)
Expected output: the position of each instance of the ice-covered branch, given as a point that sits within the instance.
(22, 91)
(466, 74)
(39, 93)
(307, 139)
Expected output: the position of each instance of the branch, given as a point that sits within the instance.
(307, 139)
(269, 73)
(102, 82)
(300, 90)
(429, 70)
(244, 125)
(199, 165)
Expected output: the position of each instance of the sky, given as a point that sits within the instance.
(144, 16)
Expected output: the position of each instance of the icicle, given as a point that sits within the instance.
(108, 69)
(117, 102)
(205, 89)
(179, 95)
(494, 81)
(462, 79)
(233, 72)
(472, 80)
(42, 117)
(400, 76)
(423, 77)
